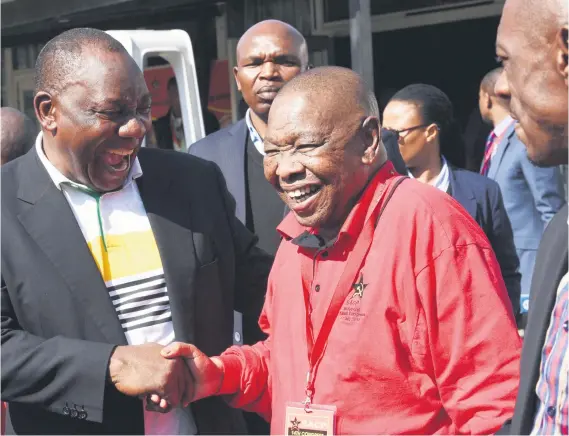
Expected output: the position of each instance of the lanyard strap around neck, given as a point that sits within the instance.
(316, 346)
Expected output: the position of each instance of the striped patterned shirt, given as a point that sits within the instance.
(552, 386)
(118, 234)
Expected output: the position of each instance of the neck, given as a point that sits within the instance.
(499, 116)
(428, 172)
(259, 123)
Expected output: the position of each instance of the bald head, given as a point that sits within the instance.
(62, 56)
(489, 80)
(17, 135)
(335, 87)
(323, 136)
(269, 54)
(278, 29)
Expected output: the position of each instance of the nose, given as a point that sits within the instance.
(502, 88)
(289, 169)
(268, 70)
(133, 128)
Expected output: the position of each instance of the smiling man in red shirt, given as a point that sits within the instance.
(386, 311)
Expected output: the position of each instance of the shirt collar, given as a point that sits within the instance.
(289, 228)
(253, 134)
(59, 179)
(443, 179)
(502, 126)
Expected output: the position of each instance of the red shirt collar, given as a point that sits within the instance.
(290, 228)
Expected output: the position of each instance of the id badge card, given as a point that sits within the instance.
(319, 420)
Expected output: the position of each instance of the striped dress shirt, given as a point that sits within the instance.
(552, 386)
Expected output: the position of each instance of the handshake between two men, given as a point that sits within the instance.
(168, 377)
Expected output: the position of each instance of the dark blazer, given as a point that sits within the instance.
(482, 199)
(58, 323)
(226, 148)
(550, 267)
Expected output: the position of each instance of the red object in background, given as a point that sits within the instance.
(219, 100)
(157, 83)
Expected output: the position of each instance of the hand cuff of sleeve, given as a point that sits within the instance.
(231, 372)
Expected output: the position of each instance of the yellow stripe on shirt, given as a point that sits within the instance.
(126, 255)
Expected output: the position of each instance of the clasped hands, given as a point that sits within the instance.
(167, 377)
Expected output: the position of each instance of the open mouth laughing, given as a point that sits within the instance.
(118, 160)
(301, 198)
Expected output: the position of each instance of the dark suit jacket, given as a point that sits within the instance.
(482, 199)
(550, 267)
(58, 323)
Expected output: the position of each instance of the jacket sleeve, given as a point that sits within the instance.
(471, 337)
(252, 268)
(250, 365)
(502, 240)
(51, 373)
(546, 186)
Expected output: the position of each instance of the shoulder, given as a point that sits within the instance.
(158, 162)
(217, 138)
(477, 182)
(437, 220)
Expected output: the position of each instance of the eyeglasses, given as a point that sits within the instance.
(399, 132)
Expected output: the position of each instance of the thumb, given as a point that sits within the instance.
(178, 349)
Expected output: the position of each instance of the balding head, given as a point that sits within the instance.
(60, 57)
(533, 43)
(18, 133)
(269, 54)
(323, 145)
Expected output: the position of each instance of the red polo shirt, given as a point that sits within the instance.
(425, 344)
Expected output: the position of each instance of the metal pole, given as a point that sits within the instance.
(361, 40)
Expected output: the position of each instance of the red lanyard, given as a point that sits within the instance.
(316, 347)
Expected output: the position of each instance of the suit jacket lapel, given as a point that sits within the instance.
(234, 171)
(51, 223)
(169, 221)
(502, 146)
(461, 193)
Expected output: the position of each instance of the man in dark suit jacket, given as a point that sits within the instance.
(532, 41)
(75, 343)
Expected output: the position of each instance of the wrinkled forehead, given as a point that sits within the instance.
(110, 76)
(310, 116)
(512, 32)
(263, 44)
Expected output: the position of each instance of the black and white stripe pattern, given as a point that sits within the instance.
(142, 302)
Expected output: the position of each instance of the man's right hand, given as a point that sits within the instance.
(207, 373)
(138, 370)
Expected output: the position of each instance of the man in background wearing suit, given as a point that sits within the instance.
(109, 252)
(532, 195)
(269, 54)
(533, 45)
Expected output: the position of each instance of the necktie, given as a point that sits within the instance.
(490, 145)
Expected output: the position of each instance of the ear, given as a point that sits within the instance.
(561, 42)
(45, 111)
(371, 129)
(431, 132)
(488, 102)
(236, 75)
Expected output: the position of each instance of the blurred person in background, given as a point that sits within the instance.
(422, 118)
(532, 194)
(18, 134)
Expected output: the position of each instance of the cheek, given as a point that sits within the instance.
(289, 73)
(270, 169)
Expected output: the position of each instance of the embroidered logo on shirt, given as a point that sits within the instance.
(351, 311)
(359, 288)
(295, 423)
